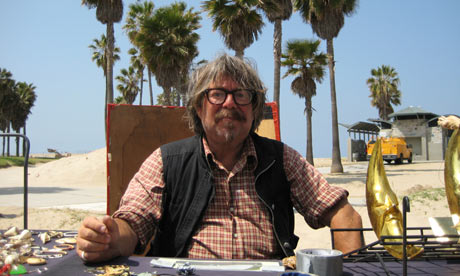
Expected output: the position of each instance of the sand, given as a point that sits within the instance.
(423, 182)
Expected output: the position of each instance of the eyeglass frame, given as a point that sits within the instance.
(251, 93)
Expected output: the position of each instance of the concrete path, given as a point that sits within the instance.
(12, 193)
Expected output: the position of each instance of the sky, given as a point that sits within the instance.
(46, 43)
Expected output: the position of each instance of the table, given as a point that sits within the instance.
(73, 265)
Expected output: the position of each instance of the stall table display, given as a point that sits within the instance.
(61, 259)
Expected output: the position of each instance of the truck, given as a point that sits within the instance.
(393, 149)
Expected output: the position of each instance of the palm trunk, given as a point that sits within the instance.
(336, 166)
(277, 37)
(239, 53)
(178, 99)
(110, 46)
(309, 132)
(17, 143)
(167, 95)
(150, 86)
(385, 105)
(8, 141)
(109, 76)
(142, 87)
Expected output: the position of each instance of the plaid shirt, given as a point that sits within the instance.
(236, 225)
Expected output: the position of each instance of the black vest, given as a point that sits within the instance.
(189, 189)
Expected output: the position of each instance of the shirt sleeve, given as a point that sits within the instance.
(311, 194)
(141, 204)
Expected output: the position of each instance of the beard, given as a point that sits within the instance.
(228, 130)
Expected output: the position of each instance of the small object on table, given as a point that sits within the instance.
(289, 262)
(186, 269)
(67, 240)
(64, 246)
(36, 261)
(18, 270)
(44, 237)
(13, 231)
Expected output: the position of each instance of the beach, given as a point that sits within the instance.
(63, 192)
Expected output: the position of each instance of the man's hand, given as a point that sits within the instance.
(104, 239)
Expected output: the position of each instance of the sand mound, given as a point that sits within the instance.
(76, 170)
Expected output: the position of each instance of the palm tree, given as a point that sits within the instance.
(128, 86)
(326, 19)
(281, 11)
(99, 49)
(136, 15)
(108, 12)
(308, 66)
(138, 65)
(8, 102)
(26, 100)
(238, 22)
(384, 90)
(167, 40)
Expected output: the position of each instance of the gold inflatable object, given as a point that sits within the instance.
(382, 206)
(452, 176)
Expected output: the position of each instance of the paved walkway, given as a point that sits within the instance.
(12, 193)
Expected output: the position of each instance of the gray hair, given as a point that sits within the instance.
(240, 70)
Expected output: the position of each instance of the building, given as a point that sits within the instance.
(417, 126)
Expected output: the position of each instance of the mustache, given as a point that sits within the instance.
(226, 113)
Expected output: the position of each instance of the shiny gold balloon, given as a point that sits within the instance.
(452, 176)
(382, 206)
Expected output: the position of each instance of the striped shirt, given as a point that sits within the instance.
(236, 224)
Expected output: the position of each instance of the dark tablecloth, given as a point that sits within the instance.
(73, 265)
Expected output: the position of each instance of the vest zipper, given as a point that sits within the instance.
(269, 208)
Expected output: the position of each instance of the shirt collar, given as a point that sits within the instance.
(248, 153)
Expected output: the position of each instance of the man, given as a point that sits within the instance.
(226, 192)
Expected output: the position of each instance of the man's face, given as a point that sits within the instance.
(226, 122)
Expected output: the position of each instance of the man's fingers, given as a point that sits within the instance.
(90, 234)
(94, 224)
(94, 243)
(89, 256)
(110, 223)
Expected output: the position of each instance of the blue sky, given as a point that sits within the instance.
(46, 43)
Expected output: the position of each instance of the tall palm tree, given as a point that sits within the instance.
(384, 89)
(138, 65)
(238, 22)
(167, 40)
(282, 10)
(326, 18)
(136, 15)
(26, 100)
(128, 86)
(307, 64)
(108, 12)
(99, 49)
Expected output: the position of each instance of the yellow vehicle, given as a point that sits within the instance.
(393, 148)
